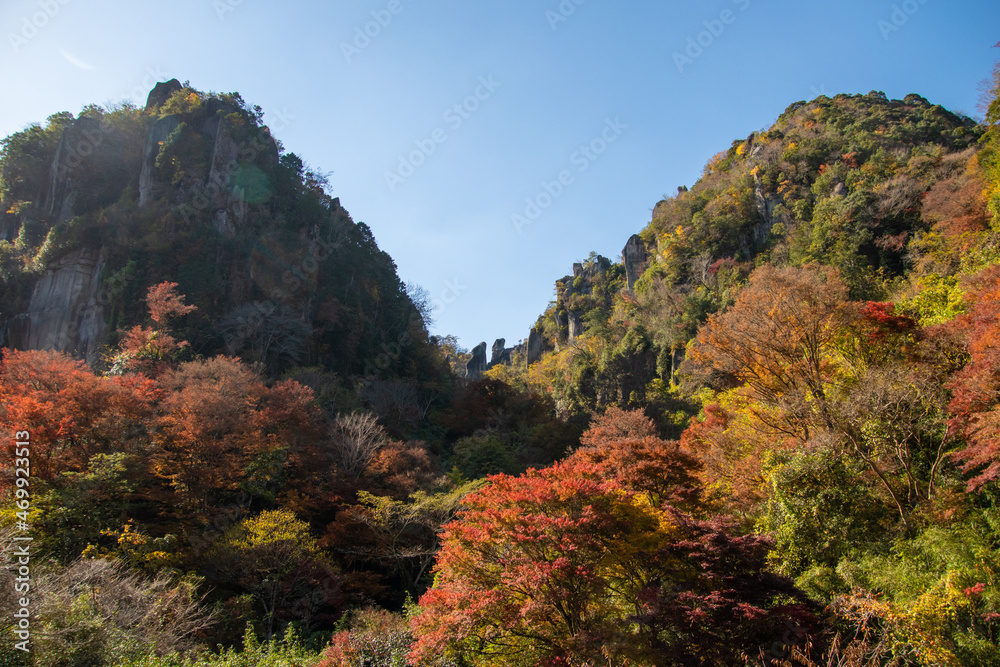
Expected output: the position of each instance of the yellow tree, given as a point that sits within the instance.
(275, 557)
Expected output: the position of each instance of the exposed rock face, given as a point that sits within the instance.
(636, 259)
(229, 200)
(80, 140)
(154, 138)
(161, 92)
(8, 227)
(501, 354)
(476, 366)
(581, 282)
(661, 208)
(599, 266)
(221, 190)
(535, 346)
(65, 313)
(223, 176)
(765, 205)
(755, 148)
(225, 153)
(575, 324)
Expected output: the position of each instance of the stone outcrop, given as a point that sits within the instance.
(580, 283)
(229, 198)
(231, 164)
(66, 312)
(535, 346)
(574, 324)
(661, 208)
(80, 139)
(9, 227)
(156, 136)
(501, 354)
(226, 173)
(63, 312)
(476, 366)
(765, 205)
(599, 266)
(570, 319)
(161, 92)
(574, 296)
(636, 259)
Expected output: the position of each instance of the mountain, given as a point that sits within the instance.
(193, 189)
(856, 182)
(767, 435)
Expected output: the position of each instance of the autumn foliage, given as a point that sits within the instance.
(72, 413)
(622, 445)
(218, 419)
(777, 340)
(795, 407)
(580, 562)
(975, 406)
(145, 349)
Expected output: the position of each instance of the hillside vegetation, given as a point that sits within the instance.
(778, 447)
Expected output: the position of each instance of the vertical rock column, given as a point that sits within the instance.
(477, 365)
(636, 259)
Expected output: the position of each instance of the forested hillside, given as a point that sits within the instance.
(768, 436)
(193, 189)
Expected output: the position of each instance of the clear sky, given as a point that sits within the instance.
(651, 89)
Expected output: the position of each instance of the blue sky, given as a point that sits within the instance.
(620, 101)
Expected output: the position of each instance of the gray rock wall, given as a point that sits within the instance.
(65, 313)
(535, 346)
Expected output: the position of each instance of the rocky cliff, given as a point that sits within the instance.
(191, 189)
(66, 311)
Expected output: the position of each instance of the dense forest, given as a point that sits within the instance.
(768, 436)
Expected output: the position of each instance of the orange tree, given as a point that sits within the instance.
(71, 413)
(568, 566)
(146, 349)
(222, 430)
(779, 339)
(974, 406)
(622, 445)
(90, 440)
